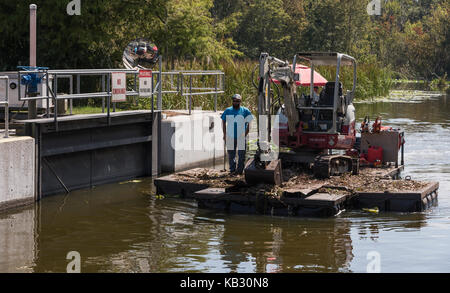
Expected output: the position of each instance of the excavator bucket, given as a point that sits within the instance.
(270, 174)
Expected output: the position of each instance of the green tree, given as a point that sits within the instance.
(224, 8)
(94, 39)
(336, 25)
(263, 27)
(428, 42)
(188, 32)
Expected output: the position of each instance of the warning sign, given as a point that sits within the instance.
(119, 87)
(145, 83)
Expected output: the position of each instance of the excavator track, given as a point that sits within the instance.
(326, 166)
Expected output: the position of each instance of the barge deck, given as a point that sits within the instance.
(301, 194)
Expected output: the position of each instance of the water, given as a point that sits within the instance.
(125, 228)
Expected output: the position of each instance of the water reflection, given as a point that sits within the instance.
(125, 228)
(17, 240)
(278, 245)
(371, 227)
(122, 228)
(100, 225)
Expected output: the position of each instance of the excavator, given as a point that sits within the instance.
(309, 128)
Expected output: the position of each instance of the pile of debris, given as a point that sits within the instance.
(212, 177)
(365, 181)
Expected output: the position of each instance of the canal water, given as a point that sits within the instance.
(124, 227)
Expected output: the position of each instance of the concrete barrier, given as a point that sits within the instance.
(189, 141)
(17, 172)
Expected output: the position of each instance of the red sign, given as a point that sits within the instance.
(145, 83)
(145, 73)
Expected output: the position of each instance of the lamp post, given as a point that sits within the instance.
(32, 112)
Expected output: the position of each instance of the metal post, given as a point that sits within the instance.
(159, 101)
(48, 99)
(55, 106)
(78, 84)
(136, 102)
(403, 149)
(190, 94)
(215, 95)
(108, 84)
(153, 97)
(336, 91)
(6, 78)
(311, 86)
(269, 120)
(311, 93)
(182, 91)
(103, 89)
(7, 109)
(71, 92)
(32, 111)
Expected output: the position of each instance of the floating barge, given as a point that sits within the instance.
(301, 194)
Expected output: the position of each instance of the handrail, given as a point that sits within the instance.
(90, 71)
(176, 86)
(6, 103)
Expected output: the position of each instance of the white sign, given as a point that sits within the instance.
(145, 83)
(119, 87)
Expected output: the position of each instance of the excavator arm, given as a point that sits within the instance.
(265, 166)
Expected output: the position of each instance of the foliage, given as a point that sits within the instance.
(410, 39)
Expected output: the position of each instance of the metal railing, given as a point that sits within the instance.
(189, 90)
(6, 103)
(219, 86)
(51, 92)
(159, 87)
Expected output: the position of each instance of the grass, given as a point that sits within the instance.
(440, 83)
(372, 81)
(90, 110)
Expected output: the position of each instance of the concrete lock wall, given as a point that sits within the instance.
(189, 141)
(17, 171)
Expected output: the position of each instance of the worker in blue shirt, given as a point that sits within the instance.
(236, 126)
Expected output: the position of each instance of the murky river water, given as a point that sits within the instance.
(124, 228)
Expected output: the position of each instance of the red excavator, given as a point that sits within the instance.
(309, 126)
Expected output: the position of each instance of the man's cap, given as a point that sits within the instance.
(237, 97)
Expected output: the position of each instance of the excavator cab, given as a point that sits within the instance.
(335, 109)
(320, 119)
(327, 95)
